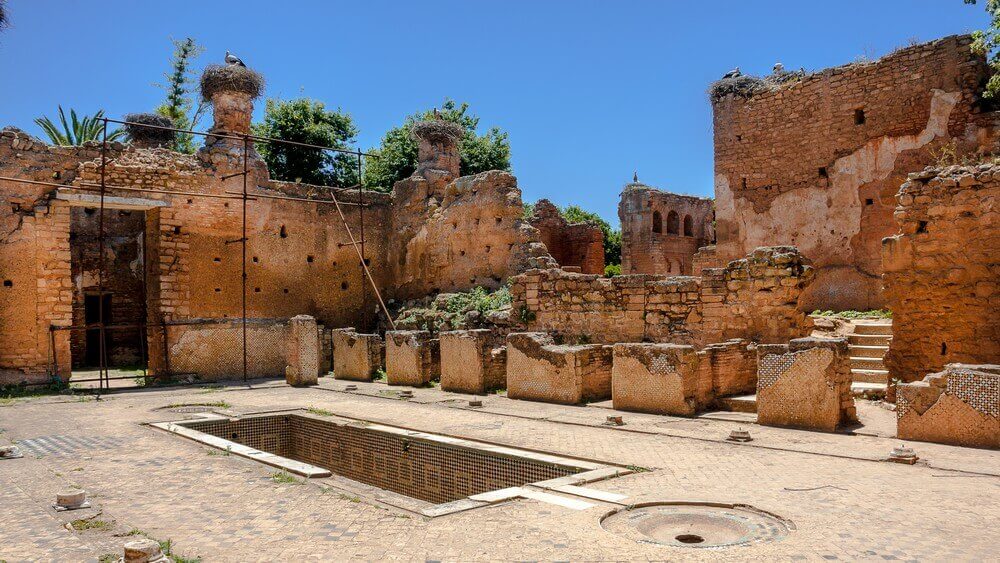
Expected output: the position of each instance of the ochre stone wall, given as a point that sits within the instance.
(356, 356)
(473, 361)
(755, 298)
(538, 369)
(816, 163)
(662, 231)
(412, 357)
(658, 379)
(960, 406)
(570, 244)
(942, 271)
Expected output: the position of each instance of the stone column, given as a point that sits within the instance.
(438, 157)
(302, 354)
(231, 90)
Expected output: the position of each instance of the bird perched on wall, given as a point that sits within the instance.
(437, 114)
(733, 73)
(778, 67)
(635, 177)
(233, 60)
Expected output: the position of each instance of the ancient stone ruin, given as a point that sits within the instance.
(575, 246)
(662, 231)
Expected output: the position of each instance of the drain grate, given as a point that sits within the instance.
(68, 445)
(696, 525)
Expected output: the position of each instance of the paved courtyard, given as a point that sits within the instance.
(842, 500)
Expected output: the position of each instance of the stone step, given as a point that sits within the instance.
(739, 403)
(867, 363)
(868, 351)
(873, 327)
(868, 390)
(869, 339)
(870, 375)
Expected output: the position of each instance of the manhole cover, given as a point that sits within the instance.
(696, 525)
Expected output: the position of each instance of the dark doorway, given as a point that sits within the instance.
(94, 306)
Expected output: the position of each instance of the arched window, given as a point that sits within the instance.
(673, 223)
(657, 222)
(688, 226)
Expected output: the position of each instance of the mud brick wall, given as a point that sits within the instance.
(755, 298)
(538, 369)
(412, 357)
(473, 361)
(570, 244)
(662, 231)
(959, 406)
(356, 356)
(730, 367)
(817, 162)
(805, 384)
(942, 275)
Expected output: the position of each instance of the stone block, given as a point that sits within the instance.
(473, 361)
(540, 370)
(302, 351)
(958, 406)
(412, 357)
(731, 367)
(356, 356)
(805, 384)
(658, 379)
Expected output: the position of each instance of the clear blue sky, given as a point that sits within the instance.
(587, 90)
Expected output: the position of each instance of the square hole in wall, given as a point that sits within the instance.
(309, 258)
(822, 172)
(869, 201)
(859, 117)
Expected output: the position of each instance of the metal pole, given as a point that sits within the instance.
(102, 367)
(243, 239)
(361, 200)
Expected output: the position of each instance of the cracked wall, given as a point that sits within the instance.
(817, 162)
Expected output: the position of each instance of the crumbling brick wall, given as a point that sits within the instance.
(755, 298)
(538, 369)
(662, 231)
(570, 244)
(942, 271)
(960, 406)
(816, 163)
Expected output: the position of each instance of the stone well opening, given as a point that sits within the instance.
(696, 525)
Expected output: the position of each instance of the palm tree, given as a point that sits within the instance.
(76, 131)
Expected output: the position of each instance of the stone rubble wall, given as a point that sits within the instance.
(303, 351)
(729, 368)
(412, 357)
(356, 356)
(670, 249)
(816, 163)
(540, 370)
(572, 245)
(805, 384)
(473, 361)
(942, 271)
(754, 298)
(959, 405)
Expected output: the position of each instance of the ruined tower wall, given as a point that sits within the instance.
(578, 245)
(942, 271)
(662, 231)
(816, 163)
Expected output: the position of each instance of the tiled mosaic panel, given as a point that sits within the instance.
(980, 391)
(67, 445)
(427, 471)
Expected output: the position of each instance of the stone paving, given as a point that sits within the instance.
(842, 501)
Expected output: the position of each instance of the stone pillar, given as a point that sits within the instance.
(303, 351)
(356, 356)
(231, 90)
(412, 357)
(143, 551)
(438, 157)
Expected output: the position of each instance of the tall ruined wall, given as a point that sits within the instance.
(817, 162)
(942, 271)
(662, 231)
(755, 298)
(570, 244)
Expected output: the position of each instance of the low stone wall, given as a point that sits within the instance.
(572, 245)
(805, 384)
(356, 356)
(540, 370)
(959, 406)
(302, 351)
(212, 349)
(754, 298)
(473, 361)
(658, 379)
(730, 367)
(412, 357)
(942, 271)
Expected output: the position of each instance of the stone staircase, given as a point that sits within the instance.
(868, 344)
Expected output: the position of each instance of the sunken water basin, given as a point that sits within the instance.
(428, 473)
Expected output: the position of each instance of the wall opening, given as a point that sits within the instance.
(657, 222)
(688, 226)
(673, 223)
(859, 116)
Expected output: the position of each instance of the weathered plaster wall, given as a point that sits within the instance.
(942, 271)
(662, 231)
(816, 163)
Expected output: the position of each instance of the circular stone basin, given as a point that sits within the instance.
(696, 525)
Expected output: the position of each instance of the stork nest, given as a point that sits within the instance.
(438, 130)
(230, 78)
(746, 86)
(3, 14)
(150, 136)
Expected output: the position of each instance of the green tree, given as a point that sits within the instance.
(178, 104)
(398, 151)
(76, 131)
(612, 237)
(986, 42)
(307, 121)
